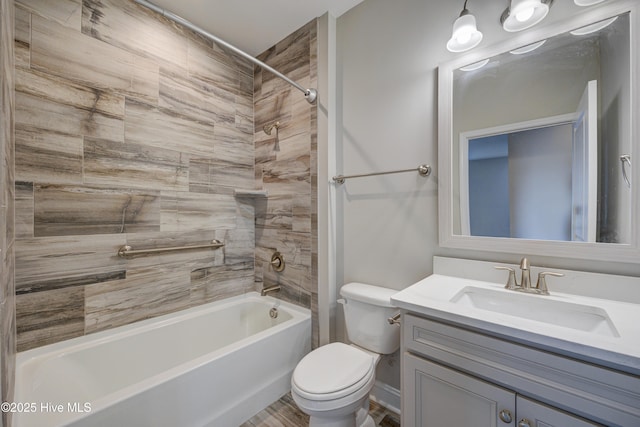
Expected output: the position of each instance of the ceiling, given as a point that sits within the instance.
(253, 25)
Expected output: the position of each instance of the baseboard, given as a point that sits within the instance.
(387, 396)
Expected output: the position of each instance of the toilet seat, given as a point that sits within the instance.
(333, 371)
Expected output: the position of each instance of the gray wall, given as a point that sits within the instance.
(388, 54)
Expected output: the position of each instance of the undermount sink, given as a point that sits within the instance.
(538, 308)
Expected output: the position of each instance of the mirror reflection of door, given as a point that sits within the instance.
(523, 189)
(585, 167)
(536, 181)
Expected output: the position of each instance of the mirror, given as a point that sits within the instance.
(536, 141)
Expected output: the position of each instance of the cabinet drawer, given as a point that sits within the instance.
(600, 394)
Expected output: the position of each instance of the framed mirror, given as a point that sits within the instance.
(537, 139)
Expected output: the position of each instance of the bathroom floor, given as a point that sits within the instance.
(285, 413)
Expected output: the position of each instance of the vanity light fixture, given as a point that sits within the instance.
(523, 14)
(465, 34)
(592, 28)
(587, 2)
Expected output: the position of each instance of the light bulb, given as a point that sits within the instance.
(463, 37)
(525, 14)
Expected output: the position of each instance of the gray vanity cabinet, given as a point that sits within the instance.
(438, 396)
(453, 376)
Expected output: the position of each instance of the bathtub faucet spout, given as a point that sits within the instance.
(274, 288)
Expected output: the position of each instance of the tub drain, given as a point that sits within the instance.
(273, 313)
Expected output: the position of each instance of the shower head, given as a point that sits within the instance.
(267, 128)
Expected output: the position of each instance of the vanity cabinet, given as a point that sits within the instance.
(453, 376)
(441, 397)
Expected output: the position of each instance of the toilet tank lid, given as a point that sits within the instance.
(375, 295)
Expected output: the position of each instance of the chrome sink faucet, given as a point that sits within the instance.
(540, 287)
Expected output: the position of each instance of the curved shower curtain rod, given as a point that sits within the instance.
(310, 94)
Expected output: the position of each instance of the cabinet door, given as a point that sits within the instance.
(436, 396)
(536, 414)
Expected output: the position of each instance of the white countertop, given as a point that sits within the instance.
(431, 297)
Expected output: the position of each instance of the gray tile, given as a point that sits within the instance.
(134, 166)
(47, 317)
(46, 156)
(68, 210)
(67, 53)
(143, 294)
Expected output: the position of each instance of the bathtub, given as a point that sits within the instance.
(213, 365)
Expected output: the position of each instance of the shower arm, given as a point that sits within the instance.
(310, 94)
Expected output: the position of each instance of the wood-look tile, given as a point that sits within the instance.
(36, 112)
(47, 317)
(212, 65)
(239, 245)
(53, 258)
(233, 145)
(24, 210)
(85, 60)
(196, 98)
(22, 38)
(64, 12)
(244, 114)
(68, 210)
(221, 281)
(149, 125)
(45, 156)
(209, 176)
(285, 413)
(134, 166)
(68, 282)
(277, 214)
(132, 27)
(62, 91)
(143, 294)
(181, 211)
(301, 211)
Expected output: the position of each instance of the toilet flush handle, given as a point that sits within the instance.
(395, 320)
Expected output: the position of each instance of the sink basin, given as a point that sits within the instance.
(538, 308)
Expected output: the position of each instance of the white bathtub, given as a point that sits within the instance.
(213, 365)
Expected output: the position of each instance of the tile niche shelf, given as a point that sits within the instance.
(255, 194)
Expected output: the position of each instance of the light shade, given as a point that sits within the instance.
(587, 2)
(465, 34)
(592, 28)
(523, 14)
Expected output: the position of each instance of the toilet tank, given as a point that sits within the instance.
(366, 310)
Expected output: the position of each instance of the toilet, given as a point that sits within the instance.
(332, 383)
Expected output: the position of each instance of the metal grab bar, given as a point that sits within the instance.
(127, 250)
(423, 170)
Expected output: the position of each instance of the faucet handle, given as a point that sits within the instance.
(541, 285)
(512, 282)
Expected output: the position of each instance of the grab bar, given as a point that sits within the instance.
(423, 170)
(127, 250)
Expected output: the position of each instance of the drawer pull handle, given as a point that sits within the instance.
(505, 416)
(524, 423)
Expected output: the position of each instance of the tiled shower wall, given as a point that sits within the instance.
(132, 130)
(129, 130)
(286, 166)
(7, 300)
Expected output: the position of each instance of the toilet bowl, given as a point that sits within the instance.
(332, 383)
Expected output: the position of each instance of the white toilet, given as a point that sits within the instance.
(332, 383)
